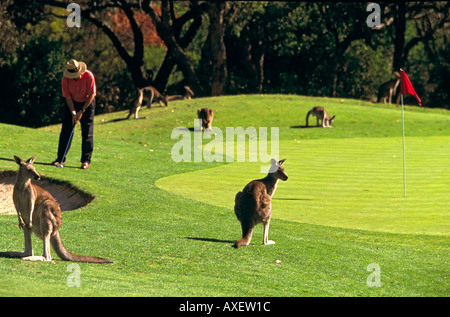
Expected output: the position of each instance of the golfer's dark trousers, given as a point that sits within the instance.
(87, 132)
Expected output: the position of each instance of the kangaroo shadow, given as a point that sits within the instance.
(304, 126)
(191, 129)
(274, 198)
(115, 120)
(123, 119)
(12, 255)
(210, 240)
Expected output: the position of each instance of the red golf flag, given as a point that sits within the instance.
(406, 87)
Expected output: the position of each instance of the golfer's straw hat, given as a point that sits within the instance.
(74, 69)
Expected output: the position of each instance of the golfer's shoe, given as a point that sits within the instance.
(85, 166)
(57, 163)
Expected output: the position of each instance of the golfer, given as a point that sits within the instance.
(78, 90)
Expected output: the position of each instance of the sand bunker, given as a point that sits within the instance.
(68, 196)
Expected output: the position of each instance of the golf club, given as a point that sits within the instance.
(67, 147)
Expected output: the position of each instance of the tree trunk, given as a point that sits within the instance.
(218, 52)
(168, 30)
(399, 39)
(164, 72)
(254, 54)
(259, 67)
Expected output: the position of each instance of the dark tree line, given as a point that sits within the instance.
(220, 47)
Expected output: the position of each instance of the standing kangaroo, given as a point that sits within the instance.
(253, 205)
(39, 212)
(321, 114)
(137, 105)
(388, 90)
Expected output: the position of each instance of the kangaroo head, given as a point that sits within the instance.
(278, 170)
(207, 116)
(331, 119)
(26, 168)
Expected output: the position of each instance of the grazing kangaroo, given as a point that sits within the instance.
(321, 114)
(389, 89)
(188, 94)
(207, 116)
(155, 96)
(137, 105)
(39, 212)
(253, 205)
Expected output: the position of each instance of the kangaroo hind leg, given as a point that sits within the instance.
(266, 240)
(46, 253)
(247, 231)
(44, 232)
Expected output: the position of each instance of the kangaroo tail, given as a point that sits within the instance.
(246, 237)
(65, 255)
(380, 94)
(307, 117)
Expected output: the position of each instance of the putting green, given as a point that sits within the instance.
(353, 183)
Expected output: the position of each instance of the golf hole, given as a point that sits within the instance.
(68, 196)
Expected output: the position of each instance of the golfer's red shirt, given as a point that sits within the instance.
(79, 89)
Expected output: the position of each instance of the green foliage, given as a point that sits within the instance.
(440, 79)
(272, 47)
(38, 83)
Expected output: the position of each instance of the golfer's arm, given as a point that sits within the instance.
(69, 103)
(88, 102)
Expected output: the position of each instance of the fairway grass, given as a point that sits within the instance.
(169, 226)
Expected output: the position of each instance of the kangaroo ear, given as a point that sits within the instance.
(31, 159)
(18, 160)
(281, 162)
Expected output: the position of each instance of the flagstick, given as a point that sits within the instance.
(404, 170)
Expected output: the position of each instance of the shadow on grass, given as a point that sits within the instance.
(210, 240)
(304, 126)
(37, 163)
(115, 120)
(12, 255)
(274, 198)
